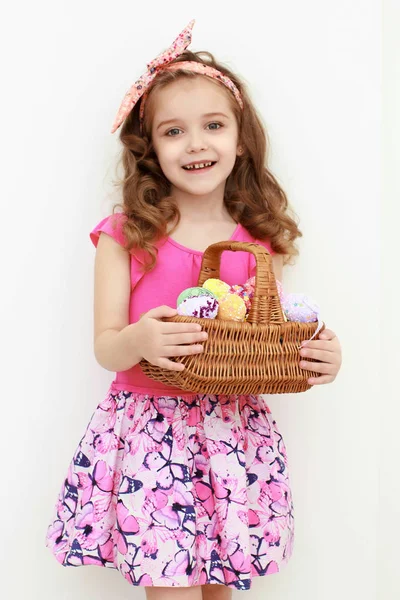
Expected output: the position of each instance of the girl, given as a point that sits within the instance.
(186, 494)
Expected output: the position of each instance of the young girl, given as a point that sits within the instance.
(186, 494)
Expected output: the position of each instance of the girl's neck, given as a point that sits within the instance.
(202, 209)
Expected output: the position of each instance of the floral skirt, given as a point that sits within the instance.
(177, 491)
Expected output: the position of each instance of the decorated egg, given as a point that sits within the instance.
(197, 302)
(218, 287)
(250, 285)
(232, 308)
(280, 290)
(245, 291)
(193, 292)
(241, 291)
(299, 307)
(202, 307)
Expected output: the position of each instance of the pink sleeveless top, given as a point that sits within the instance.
(177, 268)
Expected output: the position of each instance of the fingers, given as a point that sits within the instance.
(321, 380)
(170, 328)
(176, 334)
(322, 355)
(327, 334)
(324, 368)
(328, 346)
(327, 351)
(182, 350)
(185, 338)
(165, 363)
(162, 311)
(170, 365)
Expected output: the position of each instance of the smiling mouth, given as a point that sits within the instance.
(199, 166)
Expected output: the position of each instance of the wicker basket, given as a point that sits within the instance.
(258, 356)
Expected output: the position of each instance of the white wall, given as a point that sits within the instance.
(314, 71)
(387, 405)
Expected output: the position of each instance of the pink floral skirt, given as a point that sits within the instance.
(177, 491)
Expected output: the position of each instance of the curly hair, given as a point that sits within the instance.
(252, 197)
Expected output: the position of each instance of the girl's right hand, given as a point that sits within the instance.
(159, 340)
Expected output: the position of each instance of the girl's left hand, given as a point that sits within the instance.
(327, 350)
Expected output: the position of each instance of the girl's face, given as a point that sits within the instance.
(194, 124)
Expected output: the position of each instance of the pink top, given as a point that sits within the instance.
(180, 267)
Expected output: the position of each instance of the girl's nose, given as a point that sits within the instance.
(196, 144)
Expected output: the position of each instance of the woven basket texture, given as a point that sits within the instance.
(258, 356)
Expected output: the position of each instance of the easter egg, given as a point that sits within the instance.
(232, 308)
(280, 290)
(299, 307)
(202, 307)
(218, 287)
(193, 292)
(245, 291)
(250, 285)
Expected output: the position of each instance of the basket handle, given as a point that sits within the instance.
(265, 306)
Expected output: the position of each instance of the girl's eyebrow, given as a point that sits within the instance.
(212, 114)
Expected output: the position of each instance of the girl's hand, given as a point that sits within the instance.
(327, 350)
(158, 340)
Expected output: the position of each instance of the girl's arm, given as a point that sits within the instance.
(119, 345)
(326, 349)
(113, 347)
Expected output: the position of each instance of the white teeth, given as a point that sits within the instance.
(198, 166)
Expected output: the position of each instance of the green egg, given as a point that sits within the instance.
(193, 292)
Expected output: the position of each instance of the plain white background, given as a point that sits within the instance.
(314, 72)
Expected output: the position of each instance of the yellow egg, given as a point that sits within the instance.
(232, 308)
(217, 287)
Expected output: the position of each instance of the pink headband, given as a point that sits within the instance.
(162, 62)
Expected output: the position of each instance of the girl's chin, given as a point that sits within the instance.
(200, 188)
(203, 184)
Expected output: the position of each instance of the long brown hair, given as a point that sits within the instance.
(253, 196)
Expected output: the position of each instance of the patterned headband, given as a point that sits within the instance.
(163, 62)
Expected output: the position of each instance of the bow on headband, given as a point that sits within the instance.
(162, 62)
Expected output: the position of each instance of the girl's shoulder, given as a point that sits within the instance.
(111, 225)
